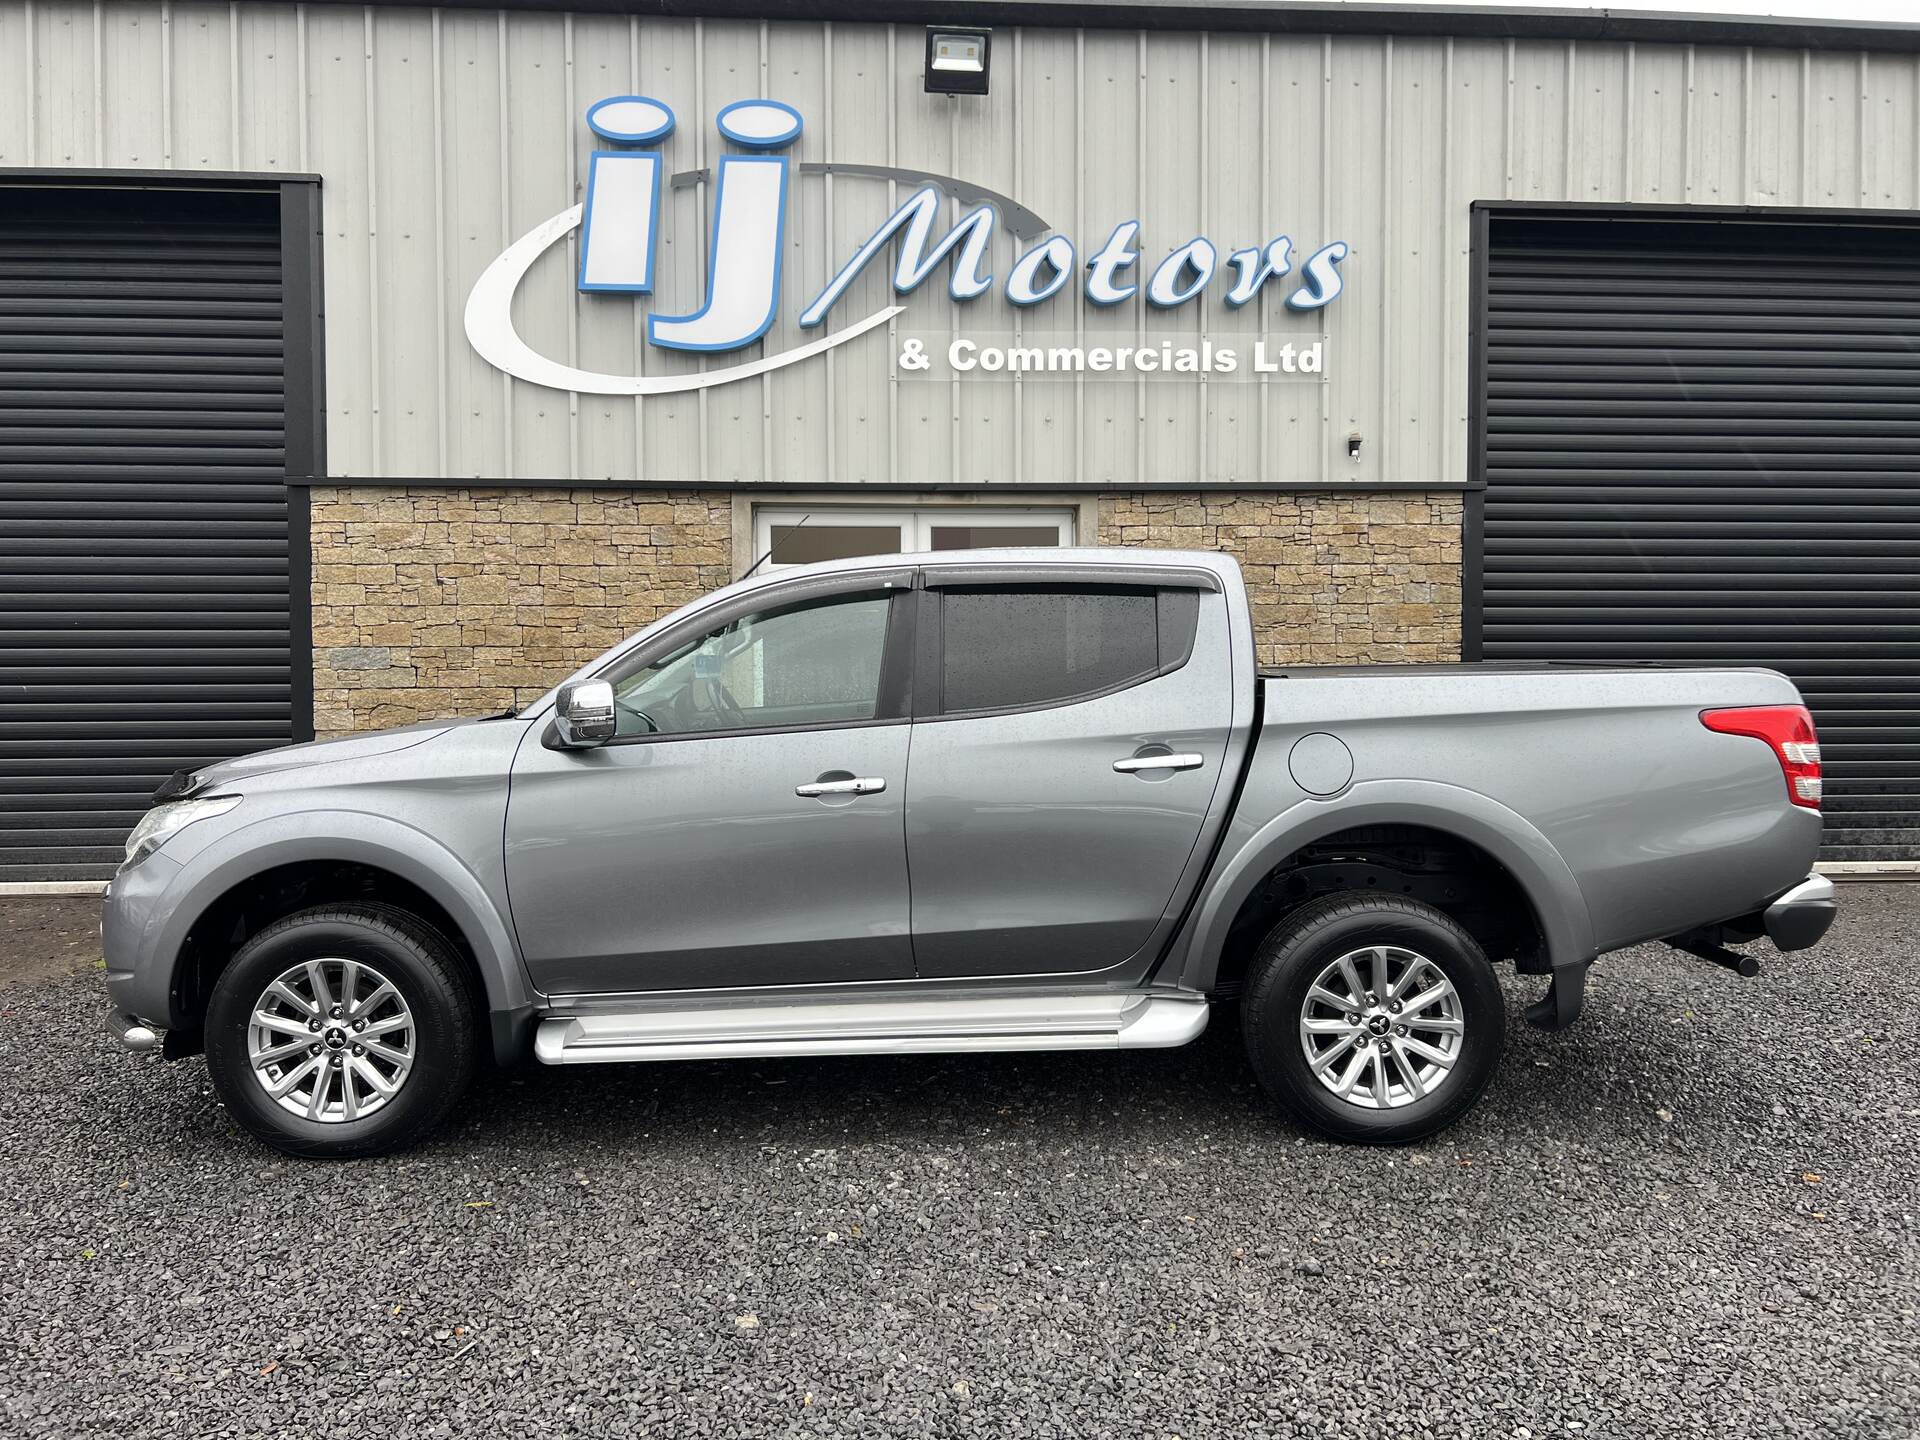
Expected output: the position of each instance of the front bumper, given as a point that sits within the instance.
(132, 916)
(1800, 917)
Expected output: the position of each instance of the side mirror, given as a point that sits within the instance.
(583, 716)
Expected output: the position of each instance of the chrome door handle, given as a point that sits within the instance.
(1132, 763)
(864, 785)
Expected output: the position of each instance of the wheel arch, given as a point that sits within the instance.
(1512, 842)
(370, 857)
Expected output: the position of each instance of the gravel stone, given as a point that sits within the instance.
(1018, 1245)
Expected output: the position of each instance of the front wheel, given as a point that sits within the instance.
(1373, 1018)
(342, 1031)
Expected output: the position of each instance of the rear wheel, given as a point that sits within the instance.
(1373, 1018)
(342, 1031)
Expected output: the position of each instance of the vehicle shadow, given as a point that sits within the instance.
(842, 1100)
(1593, 1079)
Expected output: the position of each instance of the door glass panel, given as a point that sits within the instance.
(804, 544)
(808, 664)
(1008, 646)
(986, 537)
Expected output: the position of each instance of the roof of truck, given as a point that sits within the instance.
(1127, 555)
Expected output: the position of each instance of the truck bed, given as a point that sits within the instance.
(1612, 765)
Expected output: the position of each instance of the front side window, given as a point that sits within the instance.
(812, 663)
(1008, 646)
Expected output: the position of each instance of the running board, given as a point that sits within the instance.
(1126, 1021)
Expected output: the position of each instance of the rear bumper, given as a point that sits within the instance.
(1799, 918)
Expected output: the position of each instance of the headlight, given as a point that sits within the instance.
(163, 822)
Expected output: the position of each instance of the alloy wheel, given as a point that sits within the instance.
(331, 1040)
(1382, 1027)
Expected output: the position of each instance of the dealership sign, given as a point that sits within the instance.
(619, 225)
(1045, 357)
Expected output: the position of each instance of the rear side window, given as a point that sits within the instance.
(1008, 647)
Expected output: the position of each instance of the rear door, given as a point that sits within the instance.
(1042, 837)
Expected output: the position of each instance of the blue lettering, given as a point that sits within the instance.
(1256, 267)
(1108, 261)
(1323, 278)
(967, 241)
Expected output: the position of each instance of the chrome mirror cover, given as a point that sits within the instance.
(583, 714)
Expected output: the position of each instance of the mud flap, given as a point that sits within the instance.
(1560, 1006)
(178, 1044)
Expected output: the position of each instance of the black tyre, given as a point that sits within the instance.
(342, 1031)
(1373, 1018)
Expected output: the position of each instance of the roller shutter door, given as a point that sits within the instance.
(1702, 444)
(144, 615)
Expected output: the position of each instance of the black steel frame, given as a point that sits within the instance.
(304, 292)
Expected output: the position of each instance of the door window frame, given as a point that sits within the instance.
(894, 704)
(912, 662)
(1177, 621)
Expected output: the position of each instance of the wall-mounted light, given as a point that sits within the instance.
(1353, 447)
(957, 61)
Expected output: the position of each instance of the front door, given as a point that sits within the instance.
(1041, 837)
(745, 826)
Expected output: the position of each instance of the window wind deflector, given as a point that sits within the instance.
(776, 592)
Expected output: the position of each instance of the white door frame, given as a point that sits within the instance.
(916, 515)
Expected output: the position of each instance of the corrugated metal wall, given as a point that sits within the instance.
(145, 623)
(1704, 448)
(442, 135)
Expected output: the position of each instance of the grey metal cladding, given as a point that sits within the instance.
(445, 134)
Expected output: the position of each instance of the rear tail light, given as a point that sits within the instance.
(1789, 730)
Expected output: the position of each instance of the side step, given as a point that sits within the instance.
(1125, 1021)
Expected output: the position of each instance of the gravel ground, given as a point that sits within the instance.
(1693, 1214)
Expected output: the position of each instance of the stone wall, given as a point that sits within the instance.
(1333, 578)
(431, 601)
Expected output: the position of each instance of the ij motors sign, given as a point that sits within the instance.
(619, 224)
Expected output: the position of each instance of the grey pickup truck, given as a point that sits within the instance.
(967, 801)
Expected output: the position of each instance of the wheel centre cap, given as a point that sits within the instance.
(335, 1038)
(1379, 1024)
